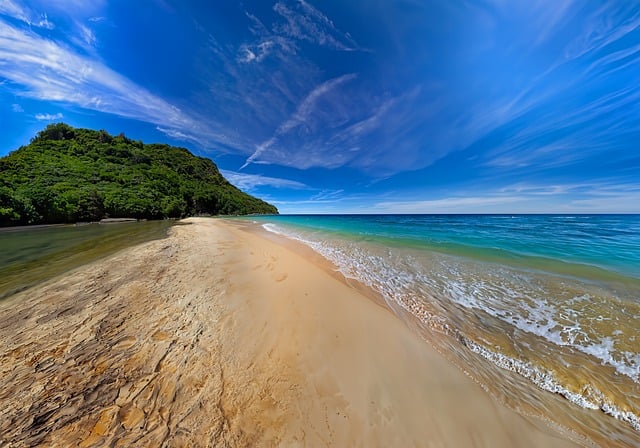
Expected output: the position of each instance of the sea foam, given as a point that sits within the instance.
(395, 275)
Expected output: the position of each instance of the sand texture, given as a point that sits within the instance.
(217, 336)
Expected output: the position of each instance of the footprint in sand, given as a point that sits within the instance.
(280, 277)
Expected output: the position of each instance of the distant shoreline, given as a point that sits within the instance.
(110, 221)
(79, 223)
(32, 227)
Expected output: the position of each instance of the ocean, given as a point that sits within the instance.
(543, 311)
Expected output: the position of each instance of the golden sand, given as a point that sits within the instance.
(217, 336)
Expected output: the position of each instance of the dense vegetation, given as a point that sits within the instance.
(69, 175)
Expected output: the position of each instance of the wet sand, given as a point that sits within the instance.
(217, 336)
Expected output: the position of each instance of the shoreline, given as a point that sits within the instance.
(218, 335)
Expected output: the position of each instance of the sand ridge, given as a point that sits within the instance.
(218, 337)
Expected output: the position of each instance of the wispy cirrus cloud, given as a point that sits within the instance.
(568, 101)
(404, 122)
(17, 108)
(303, 115)
(87, 35)
(296, 114)
(43, 69)
(255, 53)
(79, 9)
(64, 68)
(328, 195)
(174, 133)
(20, 12)
(337, 125)
(605, 25)
(12, 9)
(303, 23)
(306, 23)
(281, 109)
(613, 195)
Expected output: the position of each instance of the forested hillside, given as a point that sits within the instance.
(69, 175)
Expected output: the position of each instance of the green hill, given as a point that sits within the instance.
(69, 175)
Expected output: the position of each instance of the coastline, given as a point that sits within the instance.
(217, 335)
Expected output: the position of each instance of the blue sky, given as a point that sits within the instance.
(365, 106)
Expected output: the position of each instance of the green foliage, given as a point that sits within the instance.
(68, 175)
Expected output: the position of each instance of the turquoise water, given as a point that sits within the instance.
(554, 299)
(610, 242)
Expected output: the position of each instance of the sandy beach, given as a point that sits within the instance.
(218, 336)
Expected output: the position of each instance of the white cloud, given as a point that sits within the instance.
(328, 195)
(257, 52)
(307, 107)
(46, 70)
(250, 181)
(16, 11)
(17, 108)
(284, 116)
(302, 115)
(173, 133)
(75, 8)
(266, 43)
(48, 117)
(338, 123)
(87, 35)
(480, 204)
(304, 22)
(564, 113)
(11, 9)
(610, 23)
(246, 55)
(44, 23)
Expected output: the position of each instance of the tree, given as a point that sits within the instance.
(68, 174)
(57, 131)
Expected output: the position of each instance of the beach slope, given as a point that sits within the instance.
(218, 336)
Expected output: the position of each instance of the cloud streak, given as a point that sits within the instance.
(260, 113)
(306, 23)
(568, 101)
(12, 9)
(302, 116)
(48, 71)
(43, 69)
(249, 182)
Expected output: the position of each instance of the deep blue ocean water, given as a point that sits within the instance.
(553, 298)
